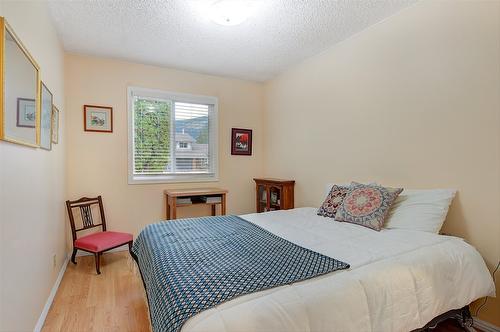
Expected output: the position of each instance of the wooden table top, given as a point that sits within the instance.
(194, 192)
(273, 180)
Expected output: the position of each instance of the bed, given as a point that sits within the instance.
(398, 280)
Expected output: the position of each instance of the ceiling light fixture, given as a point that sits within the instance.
(230, 12)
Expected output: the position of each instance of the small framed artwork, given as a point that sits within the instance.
(98, 118)
(55, 125)
(26, 112)
(46, 100)
(241, 142)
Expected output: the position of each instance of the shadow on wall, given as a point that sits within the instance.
(456, 225)
(455, 220)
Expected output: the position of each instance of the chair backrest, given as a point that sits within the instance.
(85, 206)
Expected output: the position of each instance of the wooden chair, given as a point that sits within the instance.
(98, 242)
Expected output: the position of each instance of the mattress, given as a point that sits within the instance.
(398, 281)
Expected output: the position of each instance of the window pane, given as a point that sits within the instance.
(151, 135)
(192, 139)
(173, 137)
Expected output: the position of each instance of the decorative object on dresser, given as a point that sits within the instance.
(241, 142)
(274, 194)
(98, 242)
(185, 197)
(98, 118)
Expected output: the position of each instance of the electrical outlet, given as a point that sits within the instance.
(54, 260)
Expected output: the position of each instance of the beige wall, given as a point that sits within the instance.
(97, 162)
(412, 101)
(32, 187)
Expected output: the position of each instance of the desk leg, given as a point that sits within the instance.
(214, 212)
(173, 209)
(223, 205)
(168, 207)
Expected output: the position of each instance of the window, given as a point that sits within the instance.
(172, 137)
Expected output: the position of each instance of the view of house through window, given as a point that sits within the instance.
(191, 134)
(171, 137)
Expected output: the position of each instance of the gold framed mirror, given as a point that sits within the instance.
(19, 90)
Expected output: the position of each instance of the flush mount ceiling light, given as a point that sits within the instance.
(230, 12)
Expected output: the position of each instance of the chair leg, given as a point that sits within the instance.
(97, 256)
(73, 256)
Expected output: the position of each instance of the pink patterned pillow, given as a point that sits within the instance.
(367, 205)
(333, 201)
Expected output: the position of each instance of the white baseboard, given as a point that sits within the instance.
(485, 326)
(86, 253)
(50, 299)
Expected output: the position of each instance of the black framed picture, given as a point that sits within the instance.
(241, 142)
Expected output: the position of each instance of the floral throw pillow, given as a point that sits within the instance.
(333, 201)
(367, 205)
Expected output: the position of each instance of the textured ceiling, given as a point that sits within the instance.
(175, 33)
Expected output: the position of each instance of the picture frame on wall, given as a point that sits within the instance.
(46, 104)
(26, 113)
(98, 118)
(241, 142)
(55, 125)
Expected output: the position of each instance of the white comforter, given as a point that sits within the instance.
(398, 281)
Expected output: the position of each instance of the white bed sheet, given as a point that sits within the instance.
(398, 280)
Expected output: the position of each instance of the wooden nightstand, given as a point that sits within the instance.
(274, 194)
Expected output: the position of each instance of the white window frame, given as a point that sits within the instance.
(213, 132)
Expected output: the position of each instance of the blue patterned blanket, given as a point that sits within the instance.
(190, 265)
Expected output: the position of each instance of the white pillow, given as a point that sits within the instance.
(420, 210)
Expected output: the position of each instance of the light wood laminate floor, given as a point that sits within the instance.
(114, 300)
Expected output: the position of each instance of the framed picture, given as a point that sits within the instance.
(241, 142)
(45, 117)
(98, 118)
(55, 125)
(26, 112)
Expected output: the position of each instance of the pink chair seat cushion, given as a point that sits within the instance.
(100, 241)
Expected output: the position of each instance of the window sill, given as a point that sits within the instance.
(188, 178)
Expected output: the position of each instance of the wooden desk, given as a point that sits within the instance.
(172, 195)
